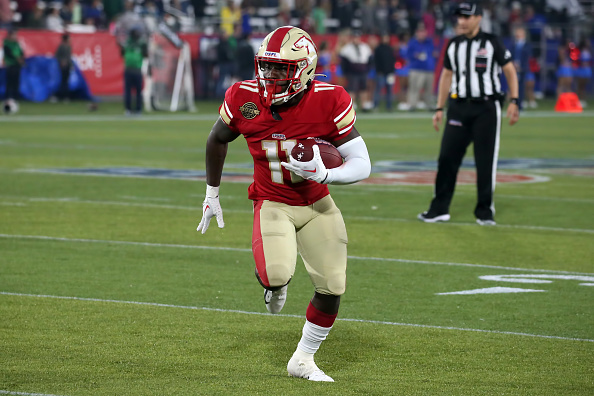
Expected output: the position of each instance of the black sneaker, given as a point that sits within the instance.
(430, 217)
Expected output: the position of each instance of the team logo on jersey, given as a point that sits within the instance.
(279, 136)
(249, 110)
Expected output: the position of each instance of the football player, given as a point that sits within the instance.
(293, 209)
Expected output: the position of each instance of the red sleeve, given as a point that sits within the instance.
(344, 113)
(228, 110)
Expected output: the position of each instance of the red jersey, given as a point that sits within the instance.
(325, 111)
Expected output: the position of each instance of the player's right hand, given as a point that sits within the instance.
(211, 208)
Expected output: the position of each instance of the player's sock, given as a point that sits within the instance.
(316, 329)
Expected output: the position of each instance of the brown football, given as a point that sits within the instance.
(303, 152)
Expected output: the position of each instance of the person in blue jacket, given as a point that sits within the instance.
(421, 56)
(521, 52)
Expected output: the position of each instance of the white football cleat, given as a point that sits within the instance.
(275, 300)
(306, 369)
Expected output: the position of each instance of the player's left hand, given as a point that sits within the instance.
(311, 170)
(513, 113)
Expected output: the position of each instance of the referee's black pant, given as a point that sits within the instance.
(469, 121)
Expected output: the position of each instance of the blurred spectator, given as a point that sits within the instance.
(5, 14)
(382, 18)
(515, 15)
(302, 12)
(372, 42)
(421, 57)
(244, 57)
(71, 12)
(134, 52)
(344, 12)
(26, 8)
(128, 21)
(37, 19)
(230, 16)
(93, 14)
(64, 58)
(487, 21)
(535, 24)
(384, 61)
(428, 19)
(319, 14)
(521, 53)
(53, 21)
(323, 71)
(247, 11)
(343, 38)
(355, 61)
(402, 70)
(14, 59)
(113, 8)
(150, 16)
(399, 22)
(367, 16)
(284, 14)
(225, 62)
(564, 70)
(583, 70)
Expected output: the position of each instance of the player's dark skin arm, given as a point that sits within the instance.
(216, 150)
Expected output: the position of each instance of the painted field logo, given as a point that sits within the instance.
(428, 177)
(383, 172)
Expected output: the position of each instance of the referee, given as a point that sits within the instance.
(470, 77)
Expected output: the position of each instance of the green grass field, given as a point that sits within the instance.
(107, 289)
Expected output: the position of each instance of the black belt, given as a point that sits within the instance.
(481, 99)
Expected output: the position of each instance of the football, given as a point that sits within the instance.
(303, 152)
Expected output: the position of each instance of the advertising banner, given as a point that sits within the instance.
(97, 56)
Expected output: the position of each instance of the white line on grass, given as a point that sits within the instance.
(363, 258)
(5, 392)
(366, 218)
(379, 322)
(213, 117)
(415, 190)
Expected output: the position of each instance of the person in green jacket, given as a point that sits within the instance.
(14, 59)
(134, 52)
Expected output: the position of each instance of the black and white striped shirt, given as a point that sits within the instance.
(476, 65)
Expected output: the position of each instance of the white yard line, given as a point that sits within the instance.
(365, 190)
(5, 392)
(365, 218)
(378, 322)
(213, 116)
(245, 250)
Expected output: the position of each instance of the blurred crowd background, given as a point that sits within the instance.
(395, 44)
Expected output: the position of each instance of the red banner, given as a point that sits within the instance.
(97, 55)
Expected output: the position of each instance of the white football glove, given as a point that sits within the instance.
(211, 208)
(312, 170)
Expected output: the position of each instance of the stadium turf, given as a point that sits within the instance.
(107, 289)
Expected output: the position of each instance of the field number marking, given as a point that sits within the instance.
(520, 278)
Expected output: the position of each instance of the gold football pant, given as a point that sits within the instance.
(316, 231)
